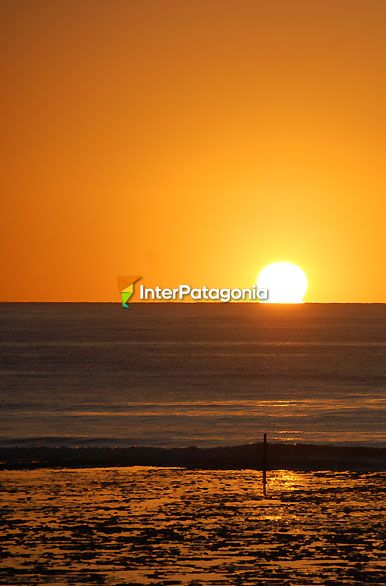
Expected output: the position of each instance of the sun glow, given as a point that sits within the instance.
(286, 282)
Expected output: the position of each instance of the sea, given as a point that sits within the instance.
(203, 374)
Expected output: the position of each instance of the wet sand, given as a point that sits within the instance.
(166, 526)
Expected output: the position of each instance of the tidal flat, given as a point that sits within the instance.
(169, 526)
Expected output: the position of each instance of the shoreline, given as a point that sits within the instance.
(302, 457)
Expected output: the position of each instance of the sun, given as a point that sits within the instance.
(285, 282)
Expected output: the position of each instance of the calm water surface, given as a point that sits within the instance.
(202, 374)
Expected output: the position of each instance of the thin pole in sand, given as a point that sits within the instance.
(265, 465)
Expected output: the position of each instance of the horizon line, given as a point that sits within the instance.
(207, 302)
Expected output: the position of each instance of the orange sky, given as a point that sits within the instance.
(192, 141)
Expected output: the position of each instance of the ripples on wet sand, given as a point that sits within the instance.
(171, 526)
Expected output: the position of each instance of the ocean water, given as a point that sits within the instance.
(192, 374)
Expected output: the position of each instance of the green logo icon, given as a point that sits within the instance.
(126, 288)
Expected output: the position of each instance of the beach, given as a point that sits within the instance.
(170, 526)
